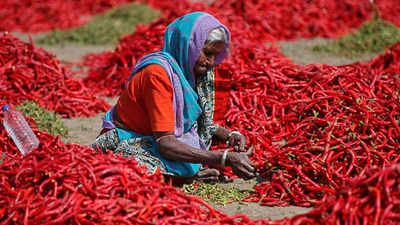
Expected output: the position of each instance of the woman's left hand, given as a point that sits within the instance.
(237, 141)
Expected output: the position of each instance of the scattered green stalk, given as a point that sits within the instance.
(45, 120)
(105, 28)
(216, 194)
(372, 37)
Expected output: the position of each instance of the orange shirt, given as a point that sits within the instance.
(145, 105)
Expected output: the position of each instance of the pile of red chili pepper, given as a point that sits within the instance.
(370, 199)
(319, 131)
(389, 10)
(72, 184)
(287, 19)
(45, 15)
(30, 73)
(314, 127)
(247, 21)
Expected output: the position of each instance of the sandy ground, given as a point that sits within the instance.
(84, 130)
(300, 51)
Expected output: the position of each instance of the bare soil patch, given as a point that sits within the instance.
(300, 51)
(255, 210)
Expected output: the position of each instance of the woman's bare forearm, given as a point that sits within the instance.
(172, 149)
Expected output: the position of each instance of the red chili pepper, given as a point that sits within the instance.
(54, 84)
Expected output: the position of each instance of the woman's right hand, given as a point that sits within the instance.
(241, 165)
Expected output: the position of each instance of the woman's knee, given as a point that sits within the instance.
(106, 141)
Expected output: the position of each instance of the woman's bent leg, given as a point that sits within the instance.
(134, 147)
(108, 140)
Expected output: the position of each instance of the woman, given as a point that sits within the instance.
(164, 117)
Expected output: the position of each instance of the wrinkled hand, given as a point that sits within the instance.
(237, 141)
(241, 165)
(208, 175)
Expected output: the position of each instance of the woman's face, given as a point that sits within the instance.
(207, 57)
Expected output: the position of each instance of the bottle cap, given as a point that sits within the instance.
(5, 107)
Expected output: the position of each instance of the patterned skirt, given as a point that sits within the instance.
(134, 147)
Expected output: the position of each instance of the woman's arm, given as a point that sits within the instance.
(172, 149)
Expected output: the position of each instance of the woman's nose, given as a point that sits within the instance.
(210, 60)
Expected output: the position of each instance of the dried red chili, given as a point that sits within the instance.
(30, 73)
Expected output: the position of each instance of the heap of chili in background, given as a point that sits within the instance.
(30, 73)
(44, 15)
(324, 136)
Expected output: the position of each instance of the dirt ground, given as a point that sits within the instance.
(300, 51)
(84, 130)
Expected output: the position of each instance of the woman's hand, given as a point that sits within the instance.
(208, 175)
(232, 138)
(237, 141)
(241, 165)
(172, 149)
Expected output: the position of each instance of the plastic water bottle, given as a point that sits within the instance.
(19, 130)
